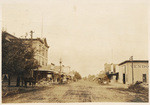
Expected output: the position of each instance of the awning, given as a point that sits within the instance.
(44, 68)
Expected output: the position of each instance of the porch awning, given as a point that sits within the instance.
(44, 68)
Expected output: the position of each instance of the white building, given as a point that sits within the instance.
(41, 50)
(129, 74)
(110, 68)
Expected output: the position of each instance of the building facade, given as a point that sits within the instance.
(133, 71)
(41, 50)
(110, 68)
(107, 67)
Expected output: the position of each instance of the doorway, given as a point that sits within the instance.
(144, 77)
(124, 79)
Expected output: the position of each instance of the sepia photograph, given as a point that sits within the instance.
(74, 51)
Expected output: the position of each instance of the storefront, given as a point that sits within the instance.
(133, 71)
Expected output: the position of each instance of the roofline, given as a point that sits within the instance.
(38, 39)
(5, 32)
(127, 61)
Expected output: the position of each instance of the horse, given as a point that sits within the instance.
(31, 81)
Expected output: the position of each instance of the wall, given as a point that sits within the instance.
(139, 68)
(122, 70)
(41, 53)
(107, 67)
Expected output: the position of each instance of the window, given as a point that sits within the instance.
(46, 53)
(39, 61)
(43, 51)
(144, 77)
(42, 61)
(39, 48)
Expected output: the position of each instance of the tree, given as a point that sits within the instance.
(17, 58)
(77, 76)
(91, 77)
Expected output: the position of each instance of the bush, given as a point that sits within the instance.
(136, 87)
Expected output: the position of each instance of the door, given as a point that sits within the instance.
(124, 80)
(144, 77)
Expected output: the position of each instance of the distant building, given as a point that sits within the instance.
(107, 67)
(110, 68)
(129, 75)
(113, 68)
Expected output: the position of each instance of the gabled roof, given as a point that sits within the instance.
(127, 61)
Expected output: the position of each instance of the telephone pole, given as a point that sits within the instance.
(60, 64)
(131, 59)
(60, 70)
(42, 27)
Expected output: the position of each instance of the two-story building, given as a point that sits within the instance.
(110, 68)
(110, 71)
(41, 49)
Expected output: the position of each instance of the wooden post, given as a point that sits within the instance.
(8, 79)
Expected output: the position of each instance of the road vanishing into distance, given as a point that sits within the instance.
(81, 91)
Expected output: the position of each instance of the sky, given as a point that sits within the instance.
(86, 34)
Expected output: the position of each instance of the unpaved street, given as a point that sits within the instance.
(81, 91)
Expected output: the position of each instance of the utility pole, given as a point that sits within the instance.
(60, 70)
(131, 59)
(42, 27)
(112, 55)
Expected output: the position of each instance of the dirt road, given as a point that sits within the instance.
(81, 91)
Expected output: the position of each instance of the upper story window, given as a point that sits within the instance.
(39, 61)
(43, 51)
(42, 61)
(39, 48)
(46, 54)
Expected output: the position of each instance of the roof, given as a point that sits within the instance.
(43, 41)
(128, 61)
(44, 68)
(8, 36)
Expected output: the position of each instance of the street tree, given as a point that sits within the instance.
(17, 58)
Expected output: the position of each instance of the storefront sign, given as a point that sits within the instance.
(139, 66)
